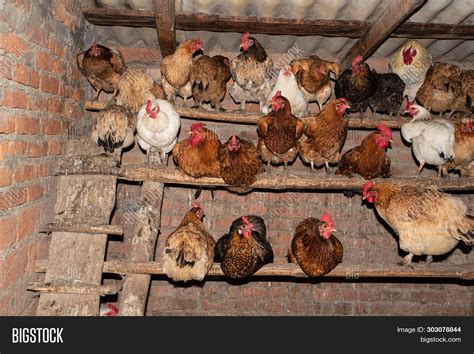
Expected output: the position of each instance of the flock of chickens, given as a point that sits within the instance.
(143, 107)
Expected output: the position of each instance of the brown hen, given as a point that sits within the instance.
(463, 150)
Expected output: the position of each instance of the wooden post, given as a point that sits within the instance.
(164, 11)
(396, 12)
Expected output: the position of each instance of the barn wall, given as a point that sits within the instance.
(42, 95)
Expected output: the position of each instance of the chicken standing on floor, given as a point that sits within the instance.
(279, 132)
(369, 159)
(325, 135)
(102, 66)
(314, 77)
(189, 250)
(245, 249)
(287, 85)
(427, 221)
(157, 127)
(252, 73)
(115, 128)
(176, 69)
(432, 141)
(315, 248)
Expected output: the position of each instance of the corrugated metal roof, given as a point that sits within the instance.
(439, 11)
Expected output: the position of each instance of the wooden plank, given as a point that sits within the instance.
(164, 11)
(394, 14)
(278, 182)
(86, 229)
(272, 26)
(347, 271)
(82, 289)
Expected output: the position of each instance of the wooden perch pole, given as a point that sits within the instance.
(74, 289)
(85, 229)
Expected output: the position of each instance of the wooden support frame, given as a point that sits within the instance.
(272, 26)
(85, 229)
(164, 13)
(395, 14)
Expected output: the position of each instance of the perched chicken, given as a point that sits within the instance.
(427, 221)
(325, 134)
(447, 88)
(389, 95)
(135, 88)
(176, 70)
(115, 128)
(209, 78)
(463, 150)
(357, 85)
(157, 127)
(314, 247)
(189, 250)
(369, 159)
(287, 85)
(251, 71)
(411, 62)
(279, 132)
(102, 66)
(239, 164)
(432, 141)
(198, 156)
(314, 77)
(245, 249)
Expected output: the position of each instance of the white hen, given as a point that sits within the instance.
(432, 140)
(157, 127)
(288, 86)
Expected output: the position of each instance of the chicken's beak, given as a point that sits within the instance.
(364, 197)
(333, 230)
(390, 141)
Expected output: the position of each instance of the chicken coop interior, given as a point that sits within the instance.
(195, 158)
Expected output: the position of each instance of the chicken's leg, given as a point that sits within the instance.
(422, 164)
(326, 166)
(97, 93)
(429, 260)
(406, 260)
(440, 171)
(242, 106)
(312, 166)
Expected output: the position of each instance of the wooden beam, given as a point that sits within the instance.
(252, 118)
(164, 12)
(347, 271)
(281, 182)
(273, 26)
(394, 14)
(82, 289)
(85, 229)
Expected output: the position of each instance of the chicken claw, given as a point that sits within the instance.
(406, 260)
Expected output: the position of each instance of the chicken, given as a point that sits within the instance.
(427, 221)
(252, 73)
(411, 62)
(389, 95)
(287, 85)
(209, 78)
(245, 249)
(432, 141)
(369, 159)
(102, 66)
(176, 70)
(314, 247)
(325, 134)
(239, 164)
(314, 77)
(115, 128)
(157, 127)
(463, 150)
(189, 250)
(135, 88)
(279, 132)
(446, 88)
(357, 85)
(198, 156)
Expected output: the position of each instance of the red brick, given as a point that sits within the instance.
(12, 198)
(44, 61)
(37, 35)
(16, 147)
(55, 48)
(54, 148)
(3, 149)
(34, 79)
(3, 41)
(14, 267)
(27, 125)
(16, 45)
(34, 192)
(55, 105)
(37, 150)
(51, 127)
(16, 99)
(49, 84)
(25, 173)
(8, 226)
(5, 176)
(28, 221)
(59, 67)
(22, 74)
(6, 302)
(6, 67)
(7, 125)
(45, 169)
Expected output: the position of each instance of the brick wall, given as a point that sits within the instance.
(41, 94)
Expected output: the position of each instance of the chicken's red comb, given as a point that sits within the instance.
(410, 51)
(385, 130)
(277, 94)
(343, 100)
(246, 220)
(148, 106)
(113, 310)
(199, 42)
(197, 205)
(233, 139)
(409, 103)
(327, 219)
(196, 126)
(367, 186)
(94, 43)
(245, 36)
(357, 60)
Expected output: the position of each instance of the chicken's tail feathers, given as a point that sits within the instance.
(108, 143)
(466, 231)
(182, 255)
